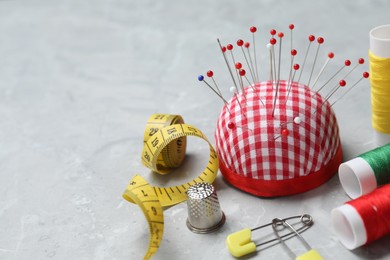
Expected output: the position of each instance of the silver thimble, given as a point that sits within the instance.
(204, 212)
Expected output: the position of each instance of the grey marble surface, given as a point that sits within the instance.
(78, 80)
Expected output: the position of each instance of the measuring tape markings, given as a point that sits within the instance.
(160, 153)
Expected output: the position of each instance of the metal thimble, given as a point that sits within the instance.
(204, 212)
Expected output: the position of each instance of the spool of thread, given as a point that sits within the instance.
(366, 172)
(364, 220)
(380, 82)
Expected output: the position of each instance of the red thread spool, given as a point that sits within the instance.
(364, 220)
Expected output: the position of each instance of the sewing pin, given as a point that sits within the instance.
(232, 126)
(253, 29)
(278, 80)
(269, 47)
(364, 76)
(320, 41)
(223, 50)
(341, 83)
(311, 39)
(242, 73)
(273, 42)
(296, 67)
(330, 56)
(297, 120)
(251, 68)
(293, 53)
(233, 91)
(230, 49)
(201, 78)
(241, 43)
(210, 74)
(238, 67)
(360, 62)
(347, 63)
(291, 27)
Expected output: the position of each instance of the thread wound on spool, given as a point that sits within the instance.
(379, 161)
(366, 172)
(369, 224)
(380, 92)
(374, 208)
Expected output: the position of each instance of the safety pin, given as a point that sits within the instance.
(311, 254)
(240, 243)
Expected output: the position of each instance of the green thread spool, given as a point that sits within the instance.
(366, 172)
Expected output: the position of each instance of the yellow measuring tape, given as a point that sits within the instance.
(164, 148)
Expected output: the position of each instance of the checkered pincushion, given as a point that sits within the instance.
(271, 155)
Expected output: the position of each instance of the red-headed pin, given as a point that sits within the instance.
(311, 39)
(223, 50)
(253, 29)
(296, 68)
(330, 56)
(320, 41)
(365, 75)
(248, 62)
(347, 63)
(291, 27)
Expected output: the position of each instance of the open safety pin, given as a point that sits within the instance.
(311, 254)
(240, 243)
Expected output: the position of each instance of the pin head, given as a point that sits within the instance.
(320, 40)
(281, 35)
(229, 47)
(233, 90)
(223, 49)
(231, 125)
(246, 45)
(347, 63)
(242, 72)
(285, 132)
(361, 61)
(342, 83)
(296, 66)
(210, 73)
(272, 32)
(240, 42)
(366, 74)
(238, 65)
(312, 38)
(294, 52)
(330, 55)
(297, 120)
(200, 78)
(272, 41)
(253, 29)
(291, 26)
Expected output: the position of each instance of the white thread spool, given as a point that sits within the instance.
(380, 47)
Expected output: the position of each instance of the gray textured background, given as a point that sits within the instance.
(78, 80)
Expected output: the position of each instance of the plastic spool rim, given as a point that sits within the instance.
(357, 177)
(348, 226)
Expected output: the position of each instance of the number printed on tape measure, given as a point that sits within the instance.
(164, 148)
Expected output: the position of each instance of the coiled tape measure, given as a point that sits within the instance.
(165, 140)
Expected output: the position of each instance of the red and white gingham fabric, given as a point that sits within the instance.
(256, 149)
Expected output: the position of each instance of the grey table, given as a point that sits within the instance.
(78, 80)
